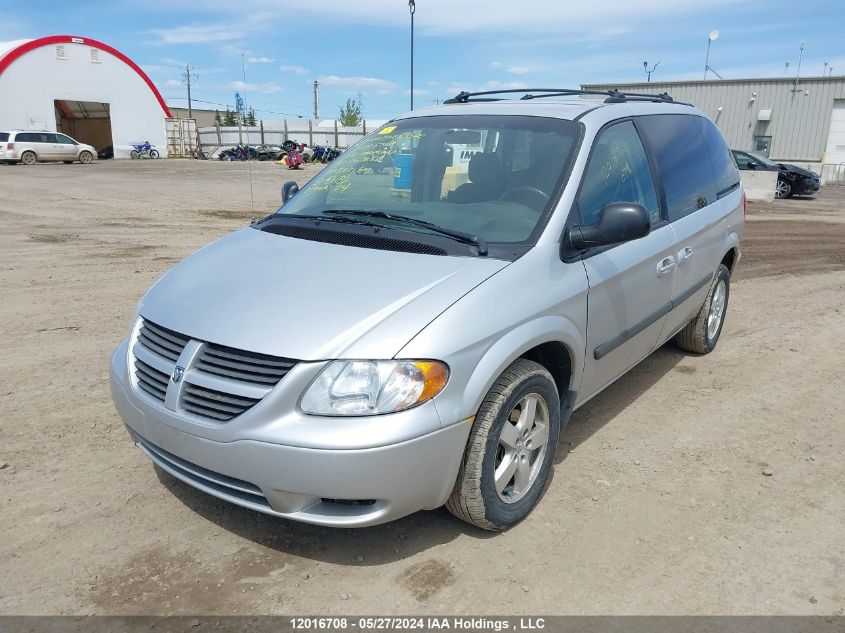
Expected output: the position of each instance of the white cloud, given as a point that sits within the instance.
(173, 83)
(293, 68)
(252, 59)
(497, 64)
(417, 92)
(265, 88)
(358, 83)
(517, 70)
(199, 34)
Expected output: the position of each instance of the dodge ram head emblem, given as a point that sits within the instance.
(177, 374)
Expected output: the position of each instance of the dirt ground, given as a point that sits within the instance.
(658, 503)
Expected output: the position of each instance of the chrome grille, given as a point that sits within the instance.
(240, 365)
(151, 380)
(219, 383)
(218, 405)
(162, 341)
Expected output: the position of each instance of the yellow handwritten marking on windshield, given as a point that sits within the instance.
(388, 129)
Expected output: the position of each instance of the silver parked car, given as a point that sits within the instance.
(31, 146)
(396, 340)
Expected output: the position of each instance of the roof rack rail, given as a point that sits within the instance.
(613, 96)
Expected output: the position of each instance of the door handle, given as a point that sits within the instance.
(665, 266)
(685, 254)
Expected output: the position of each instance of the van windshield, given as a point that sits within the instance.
(491, 176)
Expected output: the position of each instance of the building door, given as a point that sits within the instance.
(835, 150)
(762, 144)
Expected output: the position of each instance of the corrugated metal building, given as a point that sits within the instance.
(801, 122)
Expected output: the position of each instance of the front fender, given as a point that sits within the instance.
(515, 343)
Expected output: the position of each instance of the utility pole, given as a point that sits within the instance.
(786, 69)
(361, 104)
(189, 77)
(316, 99)
(412, 7)
(648, 72)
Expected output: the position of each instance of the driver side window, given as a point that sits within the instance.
(618, 171)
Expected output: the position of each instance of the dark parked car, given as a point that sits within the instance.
(792, 180)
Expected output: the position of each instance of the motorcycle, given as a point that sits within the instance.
(238, 152)
(292, 158)
(325, 154)
(144, 150)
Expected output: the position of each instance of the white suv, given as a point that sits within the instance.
(29, 147)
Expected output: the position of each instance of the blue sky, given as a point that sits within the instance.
(353, 47)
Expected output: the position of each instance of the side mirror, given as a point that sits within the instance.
(289, 190)
(751, 164)
(618, 222)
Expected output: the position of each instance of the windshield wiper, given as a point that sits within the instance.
(459, 236)
(323, 218)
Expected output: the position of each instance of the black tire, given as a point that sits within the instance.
(783, 189)
(68, 162)
(695, 337)
(86, 158)
(474, 498)
(154, 153)
(134, 154)
(29, 158)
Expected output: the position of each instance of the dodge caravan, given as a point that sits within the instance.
(395, 340)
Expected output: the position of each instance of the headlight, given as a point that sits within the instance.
(372, 387)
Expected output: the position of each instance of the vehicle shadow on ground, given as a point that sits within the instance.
(592, 416)
(422, 531)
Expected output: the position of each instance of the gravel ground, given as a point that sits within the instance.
(693, 485)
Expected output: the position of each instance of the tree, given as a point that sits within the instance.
(230, 119)
(217, 120)
(350, 114)
(249, 119)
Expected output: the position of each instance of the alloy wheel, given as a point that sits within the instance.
(717, 309)
(521, 447)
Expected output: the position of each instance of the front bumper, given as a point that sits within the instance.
(807, 186)
(352, 487)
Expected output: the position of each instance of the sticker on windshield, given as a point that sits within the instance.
(388, 129)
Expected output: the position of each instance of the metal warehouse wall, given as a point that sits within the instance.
(800, 122)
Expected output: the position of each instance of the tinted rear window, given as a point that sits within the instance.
(724, 169)
(4, 136)
(682, 159)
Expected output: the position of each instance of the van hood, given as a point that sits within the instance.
(306, 300)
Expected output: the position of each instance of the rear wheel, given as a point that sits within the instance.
(510, 449)
(702, 333)
(29, 158)
(783, 189)
(85, 158)
(134, 154)
(154, 153)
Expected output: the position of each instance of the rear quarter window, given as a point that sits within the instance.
(721, 159)
(4, 136)
(679, 148)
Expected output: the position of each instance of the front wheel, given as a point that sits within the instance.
(85, 158)
(702, 333)
(154, 153)
(783, 190)
(510, 449)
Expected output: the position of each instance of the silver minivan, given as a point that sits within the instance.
(32, 146)
(415, 326)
